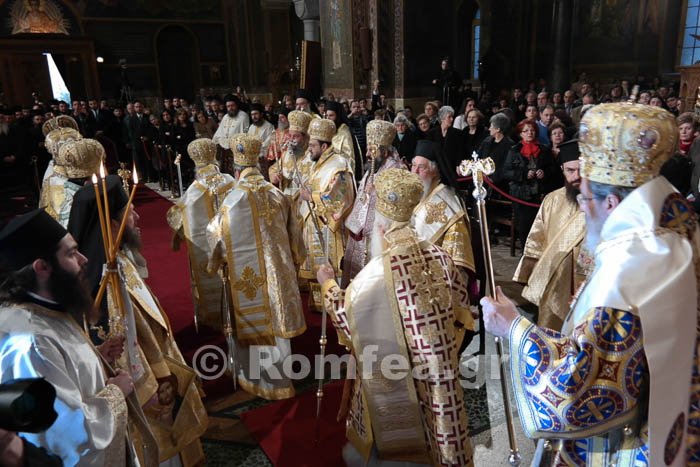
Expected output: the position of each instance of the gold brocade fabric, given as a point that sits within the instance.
(441, 219)
(332, 195)
(189, 219)
(550, 262)
(272, 306)
(177, 431)
(419, 286)
(57, 197)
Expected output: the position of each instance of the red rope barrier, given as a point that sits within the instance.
(488, 180)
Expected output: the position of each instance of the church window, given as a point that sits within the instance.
(476, 40)
(690, 52)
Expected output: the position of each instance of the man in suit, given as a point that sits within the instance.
(136, 129)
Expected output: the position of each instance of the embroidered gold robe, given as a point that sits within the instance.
(441, 219)
(391, 308)
(619, 385)
(278, 144)
(360, 221)
(332, 193)
(257, 235)
(154, 360)
(38, 342)
(292, 172)
(552, 265)
(189, 219)
(57, 196)
(342, 144)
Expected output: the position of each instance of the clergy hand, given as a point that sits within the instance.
(112, 348)
(123, 381)
(499, 314)
(325, 272)
(305, 193)
(274, 179)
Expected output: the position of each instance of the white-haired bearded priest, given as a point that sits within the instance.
(402, 305)
(619, 384)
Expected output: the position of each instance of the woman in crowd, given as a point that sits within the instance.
(557, 135)
(496, 146)
(204, 127)
(475, 132)
(423, 126)
(431, 110)
(687, 127)
(461, 120)
(406, 140)
(529, 168)
(446, 117)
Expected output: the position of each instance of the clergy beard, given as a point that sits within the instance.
(377, 242)
(233, 114)
(258, 122)
(282, 125)
(594, 225)
(571, 193)
(378, 161)
(70, 290)
(132, 238)
(297, 149)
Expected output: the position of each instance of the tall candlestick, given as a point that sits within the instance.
(108, 219)
(102, 216)
(126, 215)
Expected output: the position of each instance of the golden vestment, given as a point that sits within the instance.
(390, 302)
(332, 193)
(292, 173)
(154, 359)
(39, 342)
(619, 384)
(189, 219)
(551, 264)
(257, 235)
(57, 195)
(360, 221)
(342, 144)
(441, 219)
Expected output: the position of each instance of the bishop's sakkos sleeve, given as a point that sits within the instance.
(91, 425)
(464, 321)
(336, 200)
(174, 215)
(580, 385)
(296, 238)
(216, 241)
(334, 303)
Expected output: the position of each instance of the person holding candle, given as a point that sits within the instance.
(151, 355)
(189, 219)
(43, 299)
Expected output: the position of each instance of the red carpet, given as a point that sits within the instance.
(285, 429)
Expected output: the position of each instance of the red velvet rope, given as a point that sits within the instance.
(488, 180)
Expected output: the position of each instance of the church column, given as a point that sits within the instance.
(561, 79)
(307, 11)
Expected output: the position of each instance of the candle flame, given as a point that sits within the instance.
(94, 179)
(136, 177)
(102, 170)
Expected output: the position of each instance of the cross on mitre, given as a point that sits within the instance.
(477, 168)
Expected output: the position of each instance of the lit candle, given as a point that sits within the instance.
(126, 214)
(108, 220)
(99, 210)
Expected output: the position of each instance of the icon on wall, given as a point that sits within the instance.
(37, 17)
